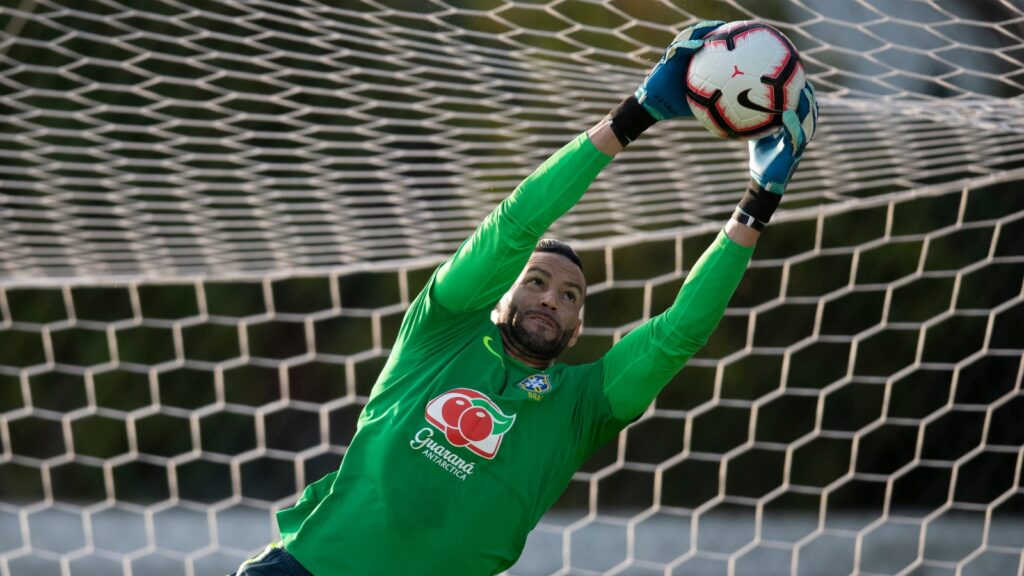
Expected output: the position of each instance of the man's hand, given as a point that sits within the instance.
(663, 93)
(774, 158)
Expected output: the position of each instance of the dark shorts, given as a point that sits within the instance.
(274, 560)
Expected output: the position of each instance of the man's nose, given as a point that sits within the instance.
(549, 299)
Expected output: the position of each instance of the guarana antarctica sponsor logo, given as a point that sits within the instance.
(468, 419)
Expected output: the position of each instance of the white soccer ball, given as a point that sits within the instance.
(742, 79)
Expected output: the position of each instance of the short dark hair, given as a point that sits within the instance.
(555, 246)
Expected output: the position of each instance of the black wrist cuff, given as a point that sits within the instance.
(629, 119)
(757, 205)
(748, 220)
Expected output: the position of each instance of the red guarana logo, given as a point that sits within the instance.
(469, 418)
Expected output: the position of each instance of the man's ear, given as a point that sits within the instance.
(501, 305)
(575, 333)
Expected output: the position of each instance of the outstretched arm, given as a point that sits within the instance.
(639, 365)
(487, 264)
(489, 261)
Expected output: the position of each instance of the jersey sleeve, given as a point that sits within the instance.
(642, 362)
(596, 423)
(490, 260)
(460, 294)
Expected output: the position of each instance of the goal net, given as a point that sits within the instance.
(214, 214)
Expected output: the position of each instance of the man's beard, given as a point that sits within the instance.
(531, 344)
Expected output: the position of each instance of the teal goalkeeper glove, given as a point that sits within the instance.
(774, 158)
(662, 95)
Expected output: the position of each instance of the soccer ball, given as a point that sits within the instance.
(742, 80)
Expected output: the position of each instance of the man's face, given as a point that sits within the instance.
(540, 316)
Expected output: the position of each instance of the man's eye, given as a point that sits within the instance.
(534, 282)
(569, 296)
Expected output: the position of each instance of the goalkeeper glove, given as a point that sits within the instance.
(662, 95)
(774, 158)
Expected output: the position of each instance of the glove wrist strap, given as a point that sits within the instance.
(746, 219)
(757, 206)
(629, 119)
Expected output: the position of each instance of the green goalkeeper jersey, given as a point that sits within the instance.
(461, 448)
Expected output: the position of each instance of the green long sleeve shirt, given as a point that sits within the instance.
(461, 448)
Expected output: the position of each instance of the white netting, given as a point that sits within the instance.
(212, 216)
(161, 138)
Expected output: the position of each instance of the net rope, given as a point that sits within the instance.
(167, 139)
(212, 219)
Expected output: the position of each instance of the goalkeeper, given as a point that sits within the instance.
(472, 430)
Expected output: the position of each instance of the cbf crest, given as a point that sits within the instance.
(536, 385)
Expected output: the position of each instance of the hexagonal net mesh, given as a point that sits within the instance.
(214, 216)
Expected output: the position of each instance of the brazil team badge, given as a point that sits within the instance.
(536, 385)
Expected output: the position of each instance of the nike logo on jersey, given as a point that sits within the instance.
(487, 344)
(744, 100)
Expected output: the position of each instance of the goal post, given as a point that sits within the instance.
(214, 215)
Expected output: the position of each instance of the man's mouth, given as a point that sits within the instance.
(542, 318)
